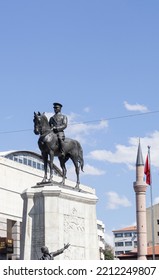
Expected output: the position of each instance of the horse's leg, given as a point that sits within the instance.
(77, 174)
(77, 168)
(45, 160)
(51, 166)
(64, 170)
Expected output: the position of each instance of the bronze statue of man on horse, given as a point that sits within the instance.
(58, 122)
(52, 142)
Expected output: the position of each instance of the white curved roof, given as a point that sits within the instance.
(15, 153)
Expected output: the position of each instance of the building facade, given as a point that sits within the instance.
(20, 170)
(155, 225)
(101, 238)
(120, 244)
(125, 240)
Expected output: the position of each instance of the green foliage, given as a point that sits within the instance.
(108, 252)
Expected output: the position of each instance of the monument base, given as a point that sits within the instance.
(54, 216)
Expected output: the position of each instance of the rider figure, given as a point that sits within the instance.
(50, 256)
(58, 123)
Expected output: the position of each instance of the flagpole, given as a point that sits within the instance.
(152, 215)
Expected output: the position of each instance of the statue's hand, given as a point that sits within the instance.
(66, 245)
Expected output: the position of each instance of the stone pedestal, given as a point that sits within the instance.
(54, 216)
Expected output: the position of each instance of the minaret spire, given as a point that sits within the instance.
(139, 160)
(140, 190)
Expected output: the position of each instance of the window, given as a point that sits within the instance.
(119, 244)
(158, 222)
(128, 234)
(15, 159)
(25, 160)
(119, 234)
(38, 165)
(10, 157)
(99, 226)
(34, 164)
(128, 243)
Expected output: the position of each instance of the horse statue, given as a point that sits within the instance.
(49, 147)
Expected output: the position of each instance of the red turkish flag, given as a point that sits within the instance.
(147, 171)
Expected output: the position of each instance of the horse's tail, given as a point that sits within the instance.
(80, 156)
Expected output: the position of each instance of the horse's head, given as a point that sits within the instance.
(37, 123)
(41, 123)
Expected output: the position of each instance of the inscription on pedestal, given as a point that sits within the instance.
(38, 237)
(73, 222)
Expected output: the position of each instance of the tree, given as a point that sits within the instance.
(108, 252)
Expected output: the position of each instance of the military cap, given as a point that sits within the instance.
(57, 105)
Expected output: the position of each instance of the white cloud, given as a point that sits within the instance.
(127, 154)
(135, 107)
(91, 170)
(86, 128)
(115, 200)
(156, 200)
(122, 154)
(81, 131)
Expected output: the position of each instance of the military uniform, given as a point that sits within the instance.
(58, 123)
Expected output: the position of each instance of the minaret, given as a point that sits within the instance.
(140, 190)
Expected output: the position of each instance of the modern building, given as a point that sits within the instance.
(101, 238)
(133, 255)
(125, 240)
(20, 170)
(155, 213)
(119, 237)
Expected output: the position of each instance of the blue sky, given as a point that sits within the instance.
(100, 59)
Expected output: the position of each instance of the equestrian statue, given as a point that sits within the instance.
(52, 142)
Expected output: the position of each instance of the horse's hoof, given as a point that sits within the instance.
(42, 182)
(77, 188)
(50, 180)
(62, 183)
